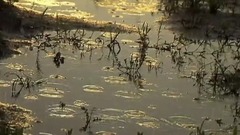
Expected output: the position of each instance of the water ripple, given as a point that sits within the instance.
(66, 112)
(31, 97)
(115, 80)
(148, 124)
(16, 66)
(172, 94)
(108, 69)
(180, 121)
(140, 117)
(127, 94)
(105, 133)
(4, 83)
(93, 88)
(57, 77)
(51, 92)
(80, 103)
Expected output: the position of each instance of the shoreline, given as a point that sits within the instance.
(19, 22)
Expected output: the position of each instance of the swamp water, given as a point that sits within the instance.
(159, 102)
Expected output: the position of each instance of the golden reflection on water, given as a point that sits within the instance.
(39, 5)
(51, 92)
(16, 66)
(108, 34)
(115, 80)
(140, 117)
(4, 83)
(153, 107)
(67, 112)
(80, 103)
(127, 94)
(43, 133)
(57, 77)
(117, 16)
(180, 121)
(50, 3)
(20, 67)
(146, 90)
(130, 8)
(149, 61)
(127, 41)
(93, 88)
(137, 114)
(148, 124)
(117, 118)
(130, 43)
(80, 14)
(105, 133)
(31, 97)
(108, 69)
(172, 94)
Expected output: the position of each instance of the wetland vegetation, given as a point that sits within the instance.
(125, 67)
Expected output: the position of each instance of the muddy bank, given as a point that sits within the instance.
(17, 18)
(21, 23)
(13, 119)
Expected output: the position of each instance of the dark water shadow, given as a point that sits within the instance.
(6, 50)
(196, 24)
(205, 39)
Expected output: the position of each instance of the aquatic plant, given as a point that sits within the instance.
(78, 39)
(199, 129)
(110, 41)
(62, 104)
(143, 41)
(58, 59)
(22, 81)
(130, 67)
(89, 118)
(68, 131)
(214, 75)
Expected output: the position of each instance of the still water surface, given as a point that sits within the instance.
(163, 105)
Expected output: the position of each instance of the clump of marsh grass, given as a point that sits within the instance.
(130, 67)
(199, 129)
